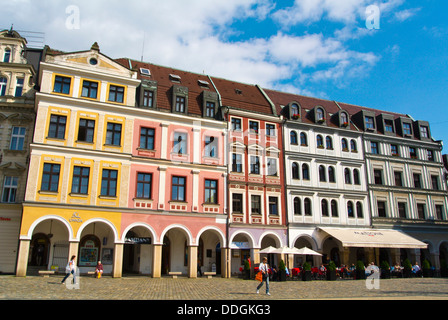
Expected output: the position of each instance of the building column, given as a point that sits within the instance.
(225, 262)
(345, 256)
(395, 256)
(73, 250)
(22, 259)
(255, 261)
(157, 261)
(193, 262)
(118, 261)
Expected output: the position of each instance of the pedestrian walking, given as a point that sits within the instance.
(70, 269)
(264, 268)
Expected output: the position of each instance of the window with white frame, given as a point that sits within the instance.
(10, 189)
(180, 143)
(17, 138)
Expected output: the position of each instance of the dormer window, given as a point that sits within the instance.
(369, 122)
(407, 129)
(424, 132)
(294, 111)
(180, 99)
(203, 83)
(389, 126)
(145, 72)
(175, 78)
(320, 115)
(343, 119)
(7, 55)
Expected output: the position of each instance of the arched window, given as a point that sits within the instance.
(329, 142)
(305, 172)
(319, 141)
(356, 179)
(359, 212)
(334, 208)
(295, 170)
(322, 177)
(347, 175)
(3, 85)
(350, 212)
(303, 139)
(307, 203)
(344, 144)
(297, 206)
(324, 208)
(293, 137)
(344, 118)
(295, 111)
(353, 146)
(7, 55)
(320, 114)
(331, 174)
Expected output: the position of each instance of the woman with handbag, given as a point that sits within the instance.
(264, 269)
(70, 269)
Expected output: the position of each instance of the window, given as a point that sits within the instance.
(374, 147)
(211, 147)
(255, 204)
(89, 89)
(144, 185)
(178, 188)
(7, 55)
(57, 126)
(394, 150)
(322, 176)
(109, 183)
(180, 104)
(389, 126)
(356, 179)
(370, 122)
(86, 130)
(331, 174)
(319, 141)
(295, 170)
(378, 176)
(50, 177)
(412, 153)
(305, 172)
(421, 210)
(430, 154)
(113, 134)
(272, 167)
(308, 208)
(19, 87)
(253, 127)
(344, 118)
(211, 191)
(293, 138)
(381, 209)
(116, 94)
(350, 212)
(237, 203)
(62, 84)
(273, 206)
(297, 206)
(417, 181)
(147, 138)
(407, 129)
(237, 162)
(439, 212)
(295, 111)
(254, 165)
(80, 183)
(347, 176)
(334, 208)
(344, 144)
(148, 98)
(320, 114)
(303, 139)
(17, 138)
(270, 130)
(180, 143)
(435, 182)
(353, 146)
(402, 210)
(10, 189)
(359, 213)
(3, 85)
(324, 205)
(398, 178)
(329, 143)
(424, 132)
(210, 109)
(236, 124)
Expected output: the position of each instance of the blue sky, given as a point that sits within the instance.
(319, 48)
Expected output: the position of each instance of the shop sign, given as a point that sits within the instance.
(137, 240)
(368, 233)
(5, 219)
(240, 245)
(76, 218)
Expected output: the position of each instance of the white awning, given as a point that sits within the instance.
(374, 238)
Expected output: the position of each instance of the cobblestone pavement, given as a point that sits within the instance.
(145, 288)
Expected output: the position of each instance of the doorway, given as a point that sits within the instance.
(40, 245)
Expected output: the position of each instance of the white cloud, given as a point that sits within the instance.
(406, 14)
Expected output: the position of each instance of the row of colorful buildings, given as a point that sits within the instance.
(154, 170)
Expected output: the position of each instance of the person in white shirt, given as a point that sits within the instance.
(264, 268)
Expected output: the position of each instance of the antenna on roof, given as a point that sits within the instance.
(143, 49)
